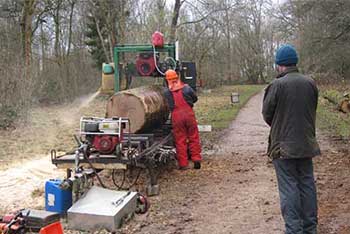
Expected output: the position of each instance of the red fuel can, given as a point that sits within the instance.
(158, 39)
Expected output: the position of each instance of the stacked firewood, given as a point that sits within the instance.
(342, 104)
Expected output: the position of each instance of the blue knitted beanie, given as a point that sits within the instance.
(286, 55)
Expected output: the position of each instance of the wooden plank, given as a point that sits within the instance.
(204, 128)
(92, 157)
(96, 165)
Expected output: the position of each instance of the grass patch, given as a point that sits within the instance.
(328, 117)
(215, 108)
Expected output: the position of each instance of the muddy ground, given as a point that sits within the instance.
(234, 192)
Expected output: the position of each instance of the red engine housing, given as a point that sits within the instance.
(105, 144)
(158, 39)
(145, 64)
(8, 218)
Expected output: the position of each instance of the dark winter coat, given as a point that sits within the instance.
(188, 94)
(289, 107)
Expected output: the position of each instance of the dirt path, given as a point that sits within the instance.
(243, 199)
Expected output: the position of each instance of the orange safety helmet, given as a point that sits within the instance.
(171, 75)
(174, 83)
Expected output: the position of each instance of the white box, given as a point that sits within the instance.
(101, 209)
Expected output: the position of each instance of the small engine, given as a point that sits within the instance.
(145, 64)
(105, 144)
(103, 134)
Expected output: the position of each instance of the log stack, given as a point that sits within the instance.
(344, 106)
(342, 103)
(146, 107)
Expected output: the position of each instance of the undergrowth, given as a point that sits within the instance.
(215, 108)
(329, 118)
(8, 116)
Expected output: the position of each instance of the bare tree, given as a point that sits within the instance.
(26, 25)
(174, 20)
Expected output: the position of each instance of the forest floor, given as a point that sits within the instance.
(234, 192)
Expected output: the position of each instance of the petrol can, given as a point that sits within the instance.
(107, 84)
(158, 39)
(57, 199)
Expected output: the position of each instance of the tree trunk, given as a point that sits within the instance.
(146, 107)
(122, 22)
(57, 20)
(70, 33)
(228, 38)
(161, 4)
(176, 12)
(26, 31)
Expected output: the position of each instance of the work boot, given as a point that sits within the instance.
(197, 165)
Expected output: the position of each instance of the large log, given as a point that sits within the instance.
(146, 107)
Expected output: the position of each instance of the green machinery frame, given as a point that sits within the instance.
(134, 48)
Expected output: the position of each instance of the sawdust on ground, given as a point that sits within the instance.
(23, 166)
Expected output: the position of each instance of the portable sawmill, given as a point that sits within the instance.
(136, 131)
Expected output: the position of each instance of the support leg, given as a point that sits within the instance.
(69, 173)
(153, 186)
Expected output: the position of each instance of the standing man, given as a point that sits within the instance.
(289, 108)
(181, 98)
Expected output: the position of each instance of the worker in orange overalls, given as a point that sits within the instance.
(181, 98)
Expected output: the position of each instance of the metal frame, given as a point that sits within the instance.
(120, 120)
(135, 48)
(99, 160)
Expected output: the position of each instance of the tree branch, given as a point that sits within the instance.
(198, 20)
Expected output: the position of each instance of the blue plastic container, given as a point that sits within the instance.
(56, 199)
(107, 69)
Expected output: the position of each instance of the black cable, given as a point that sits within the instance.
(137, 177)
(120, 187)
(93, 168)
(143, 153)
(147, 151)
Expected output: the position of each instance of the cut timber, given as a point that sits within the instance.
(331, 100)
(146, 107)
(344, 106)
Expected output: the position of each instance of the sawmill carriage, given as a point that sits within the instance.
(135, 134)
